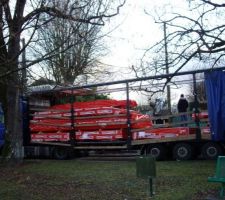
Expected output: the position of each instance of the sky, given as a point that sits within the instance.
(128, 35)
(131, 32)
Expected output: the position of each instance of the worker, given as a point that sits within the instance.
(182, 108)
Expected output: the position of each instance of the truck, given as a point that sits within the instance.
(56, 124)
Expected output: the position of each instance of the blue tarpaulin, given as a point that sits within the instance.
(2, 133)
(215, 90)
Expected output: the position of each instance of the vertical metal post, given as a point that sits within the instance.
(150, 186)
(72, 117)
(167, 68)
(196, 105)
(24, 70)
(26, 121)
(128, 117)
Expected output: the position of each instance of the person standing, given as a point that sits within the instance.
(182, 108)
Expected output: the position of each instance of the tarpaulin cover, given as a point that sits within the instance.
(2, 133)
(215, 90)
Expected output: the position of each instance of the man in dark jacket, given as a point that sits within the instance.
(182, 107)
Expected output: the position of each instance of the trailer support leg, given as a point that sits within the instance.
(150, 186)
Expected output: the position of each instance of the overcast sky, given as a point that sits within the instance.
(133, 31)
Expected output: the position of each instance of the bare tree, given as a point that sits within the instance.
(195, 39)
(76, 46)
(19, 17)
(200, 90)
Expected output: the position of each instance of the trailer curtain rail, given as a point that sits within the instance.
(131, 80)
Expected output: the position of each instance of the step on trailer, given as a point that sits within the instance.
(76, 128)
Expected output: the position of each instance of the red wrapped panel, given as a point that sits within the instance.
(79, 112)
(201, 115)
(98, 104)
(163, 133)
(109, 135)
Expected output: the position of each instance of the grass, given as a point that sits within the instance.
(108, 180)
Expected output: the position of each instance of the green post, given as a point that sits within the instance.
(146, 168)
(222, 190)
(150, 186)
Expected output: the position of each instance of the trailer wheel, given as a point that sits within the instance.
(156, 151)
(211, 150)
(182, 151)
(60, 153)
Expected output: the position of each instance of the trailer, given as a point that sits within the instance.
(75, 128)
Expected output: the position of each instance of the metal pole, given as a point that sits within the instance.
(167, 68)
(128, 117)
(150, 187)
(24, 70)
(72, 111)
(196, 105)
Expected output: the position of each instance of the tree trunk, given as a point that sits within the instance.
(14, 122)
(14, 105)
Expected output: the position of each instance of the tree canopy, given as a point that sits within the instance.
(75, 47)
(192, 37)
(195, 37)
(22, 18)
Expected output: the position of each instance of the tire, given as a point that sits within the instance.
(60, 153)
(182, 151)
(156, 151)
(211, 150)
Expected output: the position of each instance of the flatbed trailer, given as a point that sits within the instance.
(182, 147)
(179, 147)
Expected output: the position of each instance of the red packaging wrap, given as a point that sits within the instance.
(95, 120)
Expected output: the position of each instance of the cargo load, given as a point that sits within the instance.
(96, 120)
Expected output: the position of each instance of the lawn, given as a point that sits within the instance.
(104, 180)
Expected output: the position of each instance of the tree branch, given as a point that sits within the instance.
(5, 5)
(53, 11)
(214, 4)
